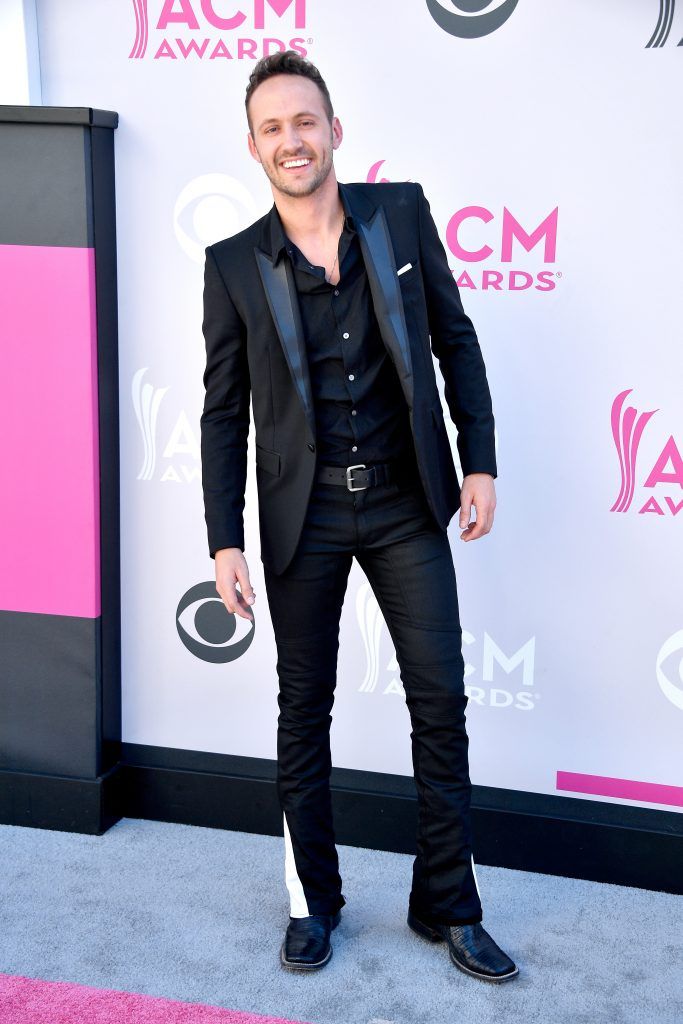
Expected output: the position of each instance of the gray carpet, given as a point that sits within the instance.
(198, 914)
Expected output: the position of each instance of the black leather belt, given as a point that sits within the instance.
(359, 476)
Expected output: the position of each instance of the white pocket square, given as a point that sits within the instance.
(408, 266)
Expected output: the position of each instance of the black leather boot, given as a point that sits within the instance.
(307, 941)
(470, 947)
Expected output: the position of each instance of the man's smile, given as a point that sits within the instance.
(303, 161)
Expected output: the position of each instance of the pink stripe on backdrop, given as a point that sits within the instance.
(627, 789)
(49, 513)
(32, 1001)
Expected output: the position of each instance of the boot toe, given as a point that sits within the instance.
(307, 941)
(473, 950)
(470, 948)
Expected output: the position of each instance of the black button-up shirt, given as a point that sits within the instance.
(360, 410)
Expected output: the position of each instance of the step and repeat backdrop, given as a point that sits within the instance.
(544, 136)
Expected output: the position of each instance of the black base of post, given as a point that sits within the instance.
(88, 806)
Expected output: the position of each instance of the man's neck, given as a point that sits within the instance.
(313, 216)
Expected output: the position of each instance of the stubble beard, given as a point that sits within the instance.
(297, 190)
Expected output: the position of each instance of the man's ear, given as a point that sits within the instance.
(252, 147)
(337, 133)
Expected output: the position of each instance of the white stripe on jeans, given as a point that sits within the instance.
(475, 877)
(297, 898)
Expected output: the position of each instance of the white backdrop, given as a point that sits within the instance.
(562, 119)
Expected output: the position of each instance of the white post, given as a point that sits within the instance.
(19, 54)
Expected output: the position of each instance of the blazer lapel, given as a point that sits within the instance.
(378, 256)
(380, 263)
(280, 288)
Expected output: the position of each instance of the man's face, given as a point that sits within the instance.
(293, 139)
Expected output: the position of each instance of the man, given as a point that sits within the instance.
(324, 311)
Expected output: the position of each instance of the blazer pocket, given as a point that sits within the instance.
(407, 268)
(268, 460)
(410, 283)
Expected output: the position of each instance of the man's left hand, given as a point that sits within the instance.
(477, 489)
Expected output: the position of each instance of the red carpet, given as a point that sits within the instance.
(32, 1001)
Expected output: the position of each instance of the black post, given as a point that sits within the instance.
(60, 621)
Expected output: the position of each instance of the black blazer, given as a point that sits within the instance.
(255, 345)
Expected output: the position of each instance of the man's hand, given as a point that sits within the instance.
(231, 568)
(478, 489)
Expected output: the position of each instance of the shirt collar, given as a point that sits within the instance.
(281, 243)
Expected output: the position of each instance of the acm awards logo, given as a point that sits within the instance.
(383, 673)
(193, 29)
(510, 238)
(180, 450)
(665, 473)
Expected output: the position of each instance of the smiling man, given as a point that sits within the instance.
(326, 312)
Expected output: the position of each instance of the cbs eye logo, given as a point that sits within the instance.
(671, 688)
(208, 208)
(207, 628)
(470, 20)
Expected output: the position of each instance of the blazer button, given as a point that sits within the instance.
(311, 446)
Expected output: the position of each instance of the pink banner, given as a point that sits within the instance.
(49, 515)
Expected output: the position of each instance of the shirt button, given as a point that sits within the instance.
(336, 291)
(351, 376)
(345, 334)
(354, 448)
(353, 412)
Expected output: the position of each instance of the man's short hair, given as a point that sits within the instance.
(287, 62)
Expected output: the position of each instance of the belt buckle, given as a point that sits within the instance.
(359, 465)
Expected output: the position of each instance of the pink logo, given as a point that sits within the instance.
(373, 172)
(141, 29)
(627, 431)
(372, 178)
(197, 15)
(511, 230)
(515, 239)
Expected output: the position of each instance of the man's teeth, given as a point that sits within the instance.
(296, 163)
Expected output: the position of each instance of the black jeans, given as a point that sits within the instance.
(408, 562)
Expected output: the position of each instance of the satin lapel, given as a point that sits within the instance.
(378, 254)
(280, 288)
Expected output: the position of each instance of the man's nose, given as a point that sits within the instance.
(292, 138)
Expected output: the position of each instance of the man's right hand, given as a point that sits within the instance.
(231, 568)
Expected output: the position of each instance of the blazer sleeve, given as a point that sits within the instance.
(224, 421)
(454, 342)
